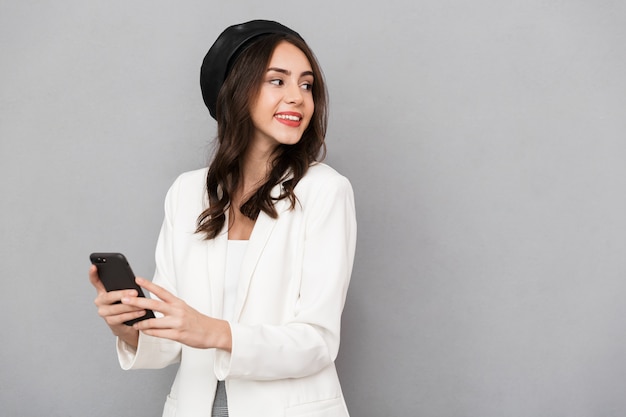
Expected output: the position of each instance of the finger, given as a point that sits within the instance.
(108, 310)
(146, 304)
(162, 323)
(95, 279)
(112, 297)
(123, 318)
(150, 324)
(160, 333)
(119, 313)
(160, 292)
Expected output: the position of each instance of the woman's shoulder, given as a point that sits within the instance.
(197, 175)
(190, 184)
(320, 171)
(322, 177)
(191, 180)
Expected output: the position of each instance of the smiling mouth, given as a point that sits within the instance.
(288, 117)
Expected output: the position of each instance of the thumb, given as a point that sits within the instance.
(95, 279)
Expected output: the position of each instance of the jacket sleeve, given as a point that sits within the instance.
(309, 341)
(154, 352)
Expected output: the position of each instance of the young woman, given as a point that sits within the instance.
(255, 252)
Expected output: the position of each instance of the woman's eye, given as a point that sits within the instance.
(307, 86)
(276, 82)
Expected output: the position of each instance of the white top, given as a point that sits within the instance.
(234, 258)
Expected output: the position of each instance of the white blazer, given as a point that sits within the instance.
(291, 293)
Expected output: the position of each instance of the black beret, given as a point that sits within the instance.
(222, 55)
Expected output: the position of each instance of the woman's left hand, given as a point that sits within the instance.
(180, 322)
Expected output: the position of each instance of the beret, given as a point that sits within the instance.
(224, 52)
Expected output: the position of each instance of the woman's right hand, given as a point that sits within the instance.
(114, 313)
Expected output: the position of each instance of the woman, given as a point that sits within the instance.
(255, 253)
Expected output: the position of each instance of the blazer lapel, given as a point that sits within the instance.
(216, 267)
(261, 233)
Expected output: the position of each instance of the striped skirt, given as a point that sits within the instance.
(220, 404)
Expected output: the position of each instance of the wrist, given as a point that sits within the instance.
(222, 337)
(128, 335)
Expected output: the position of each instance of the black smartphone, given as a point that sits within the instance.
(115, 273)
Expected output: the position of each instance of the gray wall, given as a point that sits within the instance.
(485, 142)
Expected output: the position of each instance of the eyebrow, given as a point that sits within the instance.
(287, 72)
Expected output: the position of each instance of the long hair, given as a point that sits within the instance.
(235, 131)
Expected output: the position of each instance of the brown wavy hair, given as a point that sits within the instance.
(235, 131)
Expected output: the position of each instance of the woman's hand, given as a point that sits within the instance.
(180, 322)
(116, 314)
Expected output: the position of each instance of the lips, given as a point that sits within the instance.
(292, 119)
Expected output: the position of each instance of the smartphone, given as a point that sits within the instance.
(115, 273)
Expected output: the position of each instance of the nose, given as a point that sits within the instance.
(293, 94)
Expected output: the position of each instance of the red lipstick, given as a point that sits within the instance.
(289, 118)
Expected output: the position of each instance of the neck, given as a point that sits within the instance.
(256, 166)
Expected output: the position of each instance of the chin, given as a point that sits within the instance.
(292, 142)
(289, 141)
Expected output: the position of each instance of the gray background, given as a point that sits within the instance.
(485, 143)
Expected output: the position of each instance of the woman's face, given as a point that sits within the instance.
(283, 109)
